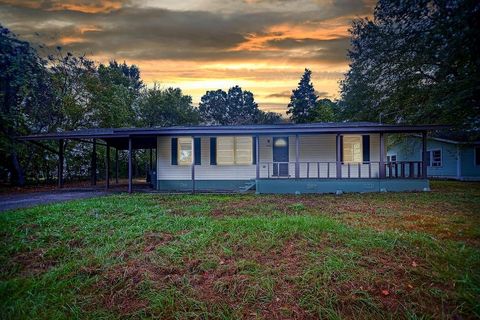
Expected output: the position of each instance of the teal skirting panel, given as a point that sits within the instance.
(201, 185)
(344, 185)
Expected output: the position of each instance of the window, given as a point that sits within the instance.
(393, 158)
(434, 158)
(185, 155)
(352, 149)
(234, 150)
(243, 150)
(477, 156)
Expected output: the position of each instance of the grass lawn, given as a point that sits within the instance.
(393, 255)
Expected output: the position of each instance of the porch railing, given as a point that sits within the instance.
(328, 170)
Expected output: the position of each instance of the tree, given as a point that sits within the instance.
(303, 100)
(24, 99)
(236, 107)
(324, 111)
(166, 107)
(269, 117)
(115, 94)
(416, 63)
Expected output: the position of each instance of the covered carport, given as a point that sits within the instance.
(119, 139)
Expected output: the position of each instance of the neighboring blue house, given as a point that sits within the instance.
(446, 159)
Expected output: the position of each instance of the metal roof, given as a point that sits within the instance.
(286, 128)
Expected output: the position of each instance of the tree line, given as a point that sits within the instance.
(411, 63)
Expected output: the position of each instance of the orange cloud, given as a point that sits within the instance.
(84, 6)
(324, 30)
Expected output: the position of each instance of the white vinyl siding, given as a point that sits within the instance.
(313, 148)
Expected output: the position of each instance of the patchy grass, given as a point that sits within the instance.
(394, 255)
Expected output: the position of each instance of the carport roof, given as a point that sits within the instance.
(286, 128)
(145, 137)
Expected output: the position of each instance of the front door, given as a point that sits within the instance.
(280, 156)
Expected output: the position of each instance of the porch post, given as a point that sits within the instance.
(107, 166)
(94, 163)
(193, 164)
(297, 156)
(116, 166)
(338, 157)
(129, 165)
(151, 161)
(382, 156)
(257, 157)
(424, 154)
(60, 163)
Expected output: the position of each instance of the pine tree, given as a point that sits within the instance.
(303, 100)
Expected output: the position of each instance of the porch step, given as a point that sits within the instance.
(247, 186)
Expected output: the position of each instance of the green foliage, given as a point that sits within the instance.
(303, 100)
(415, 63)
(166, 107)
(324, 111)
(236, 107)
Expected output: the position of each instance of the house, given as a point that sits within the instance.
(281, 158)
(447, 159)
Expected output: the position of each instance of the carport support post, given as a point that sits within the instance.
(424, 155)
(257, 157)
(339, 157)
(297, 156)
(116, 165)
(193, 164)
(94, 162)
(382, 156)
(60, 163)
(129, 165)
(151, 159)
(107, 167)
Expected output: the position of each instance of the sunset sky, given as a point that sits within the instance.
(261, 45)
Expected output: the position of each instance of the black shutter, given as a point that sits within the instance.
(341, 148)
(366, 148)
(174, 153)
(213, 151)
(429, 153)
(198, 151)
(254, 151)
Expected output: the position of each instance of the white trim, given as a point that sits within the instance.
(431, 158)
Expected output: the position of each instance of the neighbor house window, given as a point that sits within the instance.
(234, 150)
(352, 149)
(434, 158)
(393, 158)
(185, 155)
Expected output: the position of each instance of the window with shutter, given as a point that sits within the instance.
(243, 150)
(225, 150)
(352, 148)
(185, 156)
(234, 150)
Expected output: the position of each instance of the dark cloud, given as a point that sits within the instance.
(323, 94)
(155, 33)
(283, 94)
